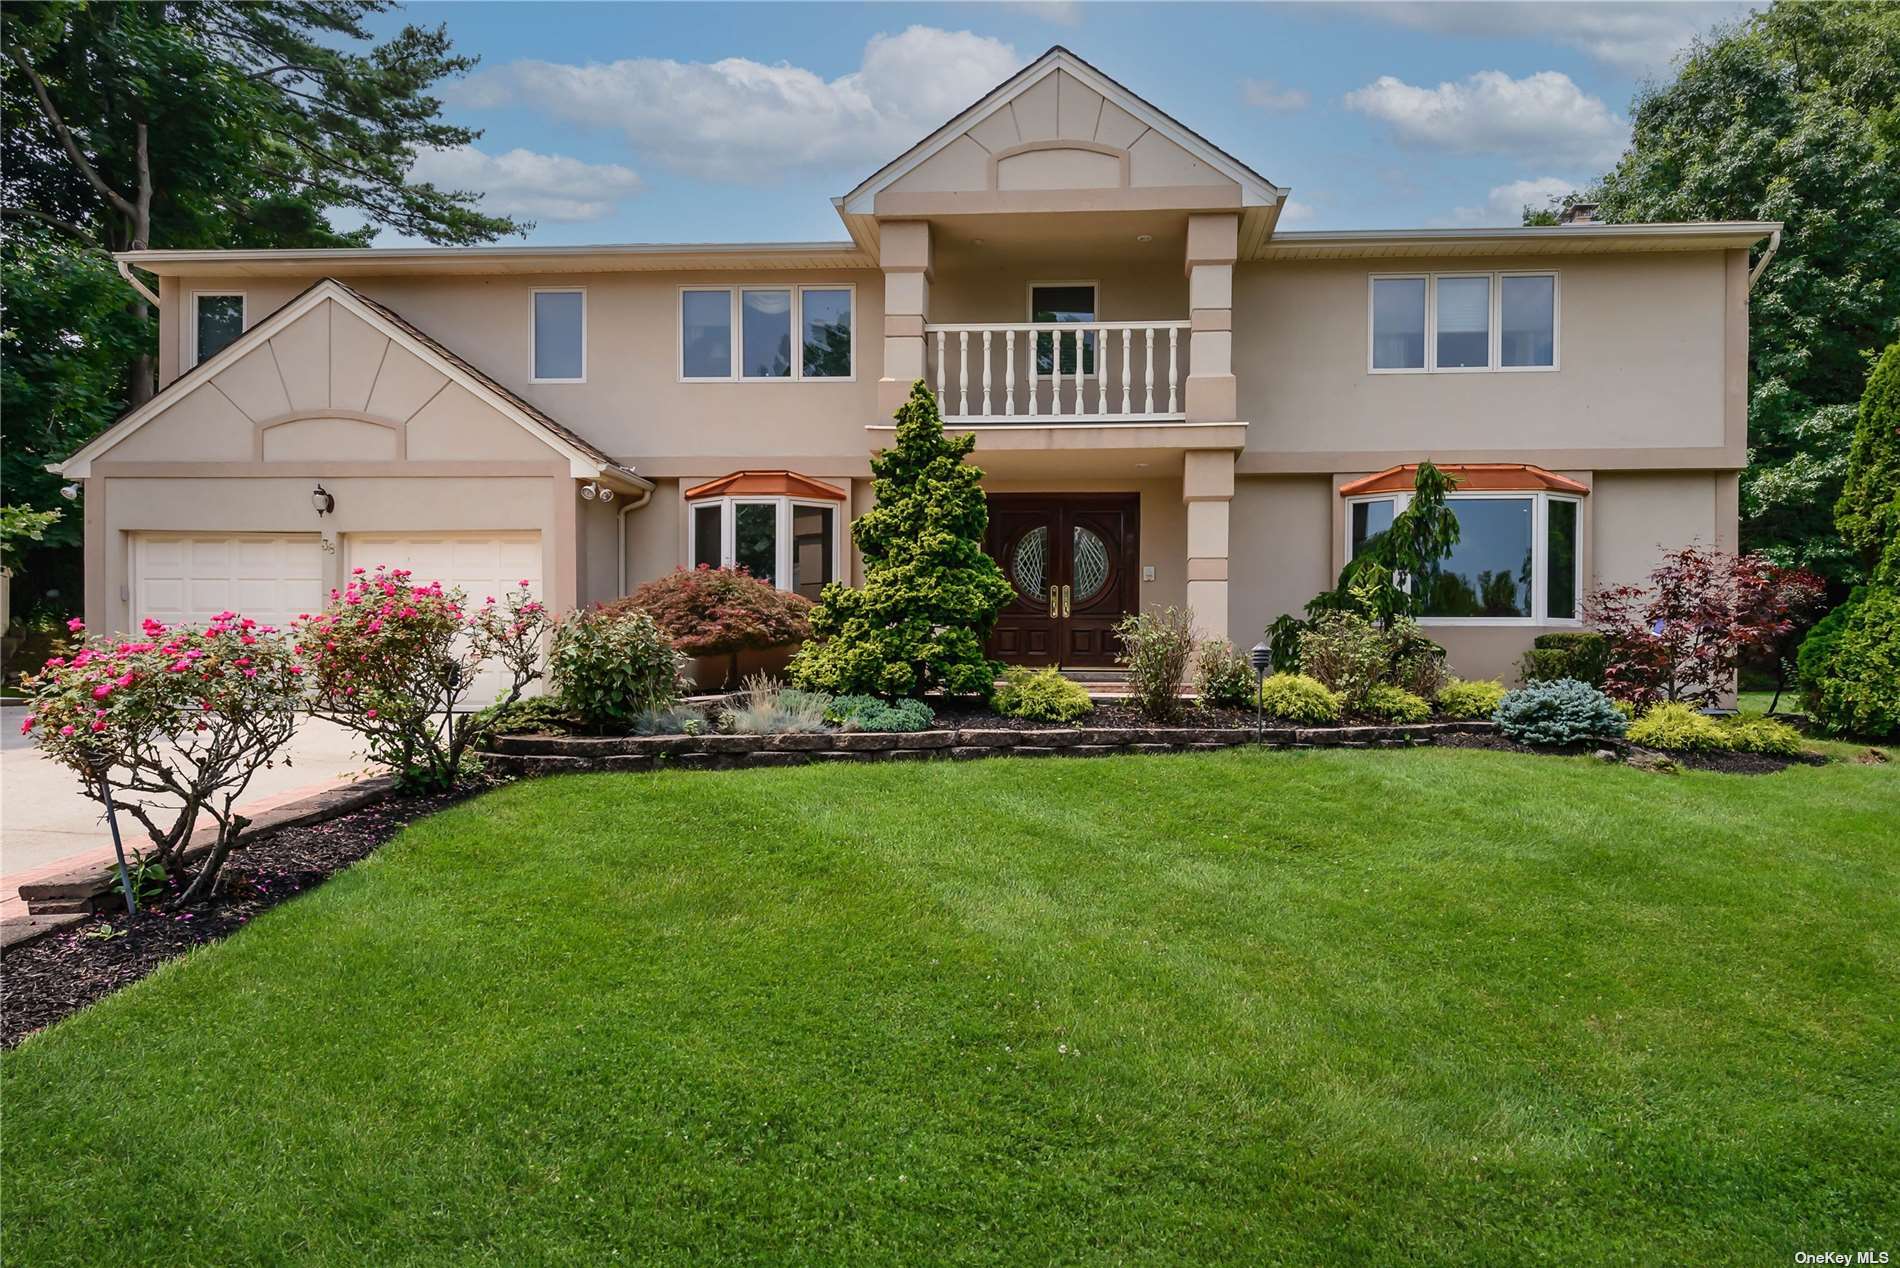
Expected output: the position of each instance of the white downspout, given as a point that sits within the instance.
(620, 534)
(1761, 265)
(125, 271)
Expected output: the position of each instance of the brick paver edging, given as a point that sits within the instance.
(554, 754)
(86, 888)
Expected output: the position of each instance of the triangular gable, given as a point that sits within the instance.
(1133, 118)
(586, 459)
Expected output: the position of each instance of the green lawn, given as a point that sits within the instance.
(1246, 1007)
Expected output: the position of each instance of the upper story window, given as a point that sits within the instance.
(1516, 561)
(1460, 322)
(560, 336)
(782, 332)
(1066, 302)
(217, 319)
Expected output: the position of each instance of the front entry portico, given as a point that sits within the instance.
(1072, 560)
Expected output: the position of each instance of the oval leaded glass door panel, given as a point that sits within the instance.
(1090, 565)
(1029, 564)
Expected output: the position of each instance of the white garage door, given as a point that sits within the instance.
(184, 578)
(479, 564)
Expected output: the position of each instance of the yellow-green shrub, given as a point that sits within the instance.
(1679, 727)
(1466, 699)
(1762, 735)
(1395, 704)
(1297, 698)
(1043, 695)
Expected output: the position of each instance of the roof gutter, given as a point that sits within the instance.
(125, 271)
(1761, 265)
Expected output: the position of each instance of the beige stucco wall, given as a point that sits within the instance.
(1649, 369)
(633, 404)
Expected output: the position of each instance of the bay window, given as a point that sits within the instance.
(766, 333)
(792, 543)
(1441, 323)
(1516, 561)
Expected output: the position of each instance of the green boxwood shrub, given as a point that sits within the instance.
(1762, 735)
(1298, 699)
(1562, 712)
(1222, 675)
(1680, 727)
(611, 667)
(868, 713)
(1041, 695)
(1468, 699)
(533, 715)
(1580, 654)
(1395, 704)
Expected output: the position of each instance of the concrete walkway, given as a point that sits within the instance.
(47, 825)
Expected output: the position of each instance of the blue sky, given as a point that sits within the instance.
(610, 122)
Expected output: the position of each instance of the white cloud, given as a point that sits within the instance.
(1267, 95)
(1544, 115)
(743, 121)
(1296, 213)
(524, 183)
(1638, 39)
(1505, 204)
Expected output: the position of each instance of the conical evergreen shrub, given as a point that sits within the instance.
(930, 594)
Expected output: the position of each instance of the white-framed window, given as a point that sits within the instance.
(1066, 302)
(558, 317)
(1517, 560)
(794, 543)
(217, 319)
(768, 332)
(1460, 323)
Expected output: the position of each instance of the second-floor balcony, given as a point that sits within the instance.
(1058, 372)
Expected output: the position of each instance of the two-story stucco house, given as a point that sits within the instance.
(1176, 402)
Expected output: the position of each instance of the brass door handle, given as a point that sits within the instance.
(1055, 605)
(1065, 600)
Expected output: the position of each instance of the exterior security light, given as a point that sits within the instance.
(320, 499)
(606, 494)
(589, 491)
(70, 492)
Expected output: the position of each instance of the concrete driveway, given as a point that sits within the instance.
(46, 824)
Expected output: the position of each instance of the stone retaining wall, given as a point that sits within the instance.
(553, 754)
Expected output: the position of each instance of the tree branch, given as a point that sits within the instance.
(65, 135)
(65, 226)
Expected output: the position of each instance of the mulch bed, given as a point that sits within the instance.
(55, 976)
(1726, 763)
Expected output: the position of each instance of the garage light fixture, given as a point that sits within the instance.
(320, 499)
(592, 490)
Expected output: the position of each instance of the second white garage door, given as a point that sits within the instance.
(479, 564)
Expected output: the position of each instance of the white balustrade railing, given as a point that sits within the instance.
(1123, 371)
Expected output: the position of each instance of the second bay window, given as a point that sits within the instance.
(1516, 560)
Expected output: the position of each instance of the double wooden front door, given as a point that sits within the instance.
(1071, 559)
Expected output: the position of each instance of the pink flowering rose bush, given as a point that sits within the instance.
(396, 662)
(171, 725)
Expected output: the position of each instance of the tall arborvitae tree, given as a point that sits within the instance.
(1791, 115)
(930, 594)
(1868, 512)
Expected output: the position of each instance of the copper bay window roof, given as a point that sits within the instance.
(766, 484)
(1471, 477)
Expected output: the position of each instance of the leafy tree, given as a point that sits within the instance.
(930, 594)
(216, 124)
(1866, 513)
(1792, 115)
(1379, 580)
